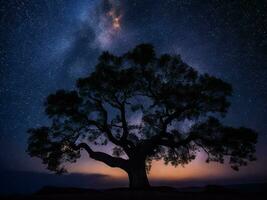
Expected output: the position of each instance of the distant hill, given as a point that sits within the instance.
(238, 188)
(211, 192)
(251, 187)
(24, 183)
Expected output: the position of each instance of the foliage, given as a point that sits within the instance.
(161, 93)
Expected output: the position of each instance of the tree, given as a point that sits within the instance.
(162, 93)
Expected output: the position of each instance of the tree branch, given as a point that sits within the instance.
(124, 123)
(124, 143)
(103, 157)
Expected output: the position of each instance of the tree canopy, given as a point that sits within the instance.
(139, 104)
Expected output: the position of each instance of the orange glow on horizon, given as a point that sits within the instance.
(197, 169)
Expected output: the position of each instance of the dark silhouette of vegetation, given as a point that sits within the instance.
(138, 104)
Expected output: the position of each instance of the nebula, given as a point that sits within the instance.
(109, 24)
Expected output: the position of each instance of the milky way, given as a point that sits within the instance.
(46, 45)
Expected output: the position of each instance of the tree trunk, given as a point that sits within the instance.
(137, 175)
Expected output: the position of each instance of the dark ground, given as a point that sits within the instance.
(234, 192)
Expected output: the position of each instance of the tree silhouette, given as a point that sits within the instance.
(138, 104)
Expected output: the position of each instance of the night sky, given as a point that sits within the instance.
(46, 45)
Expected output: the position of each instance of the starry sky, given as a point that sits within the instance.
(46, 45)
